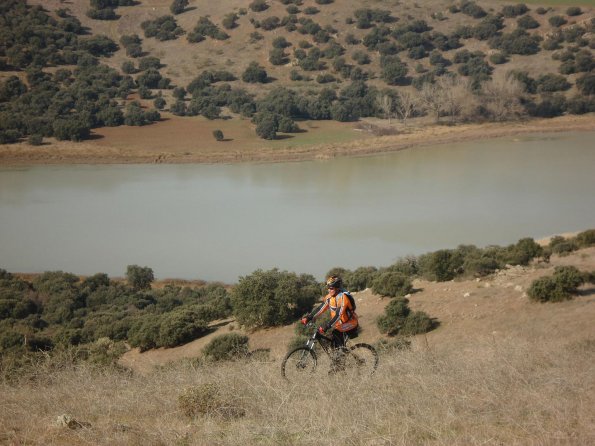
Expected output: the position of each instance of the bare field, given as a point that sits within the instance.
(498, 370)
(190, 140)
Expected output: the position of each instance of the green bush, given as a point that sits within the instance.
(258, 5)
(394, 316)
(562, 246)
(559, 287)
(227, 347)
(557, 20)
(218, 135)
(180, 326)
(270, 298)
(360, 278)
(586, 238)
(527, 22)
(399, 320)
(523, 252)
(139, 277)
(392, 284)
(417, 322)
(574, 11)
(144, 332)
(254, 73)
(441, 265)
(178, 6)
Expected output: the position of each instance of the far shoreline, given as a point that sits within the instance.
(91, 152)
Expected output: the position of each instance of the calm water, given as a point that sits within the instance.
(217, 222)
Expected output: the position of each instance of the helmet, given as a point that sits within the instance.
(334, 281)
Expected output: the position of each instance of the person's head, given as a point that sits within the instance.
(334, 285)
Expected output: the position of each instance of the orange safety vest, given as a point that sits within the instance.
(343, 317)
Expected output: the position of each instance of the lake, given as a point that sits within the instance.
(219, 222)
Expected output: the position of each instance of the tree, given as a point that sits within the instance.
(267, 126)
(501, 97)
(254, 73)
(139, 277)
(270, 298)
(178, 6)
(385, 103)
(405, 105)
(394, 71)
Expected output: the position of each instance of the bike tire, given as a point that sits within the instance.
(363, 358)
(300, 363)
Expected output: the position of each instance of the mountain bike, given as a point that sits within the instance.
(301, 362)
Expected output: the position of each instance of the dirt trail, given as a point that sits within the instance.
(469, 311)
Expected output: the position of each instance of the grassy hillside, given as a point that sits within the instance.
(499, 369)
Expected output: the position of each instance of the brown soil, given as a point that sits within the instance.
(467, 311)
(190, 140)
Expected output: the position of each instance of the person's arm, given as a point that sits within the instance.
(318, 311)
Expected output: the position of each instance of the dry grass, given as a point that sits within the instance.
(505, 391)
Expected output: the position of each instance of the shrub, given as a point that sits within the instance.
(258, 5)
(394, 72)
(254, 73)
(361, 278)
(525, 250)
(392, 284)
(557, 21)
(574, 11)
(227, 347)
(35, 140)
(527, 22)
(394, 316)
(552, 82)
(179, 327)
(287, 125)
(559, 287)
(586, 84)
(218, 135)
(139, 277)
(561, 246)
(514, 10)
(209, 400)
(440, 265)
(415, 323)
(498, 58)
(178, 6)
(586, 238)
(73, 129)
(472, 9)
(267, 126)
(270, 298)
(162, 28)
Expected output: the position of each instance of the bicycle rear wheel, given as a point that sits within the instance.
(361, 359)
(298, 364)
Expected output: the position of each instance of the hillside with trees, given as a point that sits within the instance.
(69, 68)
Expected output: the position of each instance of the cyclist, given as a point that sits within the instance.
(343, 320)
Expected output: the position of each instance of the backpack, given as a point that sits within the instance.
(351, 300)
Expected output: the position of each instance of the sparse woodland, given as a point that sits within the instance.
(460, 61)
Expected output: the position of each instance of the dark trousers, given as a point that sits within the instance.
(340, 337)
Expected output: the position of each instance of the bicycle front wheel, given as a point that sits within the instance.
(362, 358)
(298, 364)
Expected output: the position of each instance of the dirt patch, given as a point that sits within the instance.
(190, 140)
